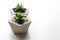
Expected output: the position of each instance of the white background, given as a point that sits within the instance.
(45, 16)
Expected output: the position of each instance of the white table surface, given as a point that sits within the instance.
(45, 16)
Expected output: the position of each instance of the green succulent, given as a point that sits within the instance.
(20, 18)
(19, 6)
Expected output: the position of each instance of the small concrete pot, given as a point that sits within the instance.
(13, 13)
(19, 28)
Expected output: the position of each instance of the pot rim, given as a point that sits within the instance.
(12, 21)
(14, 12)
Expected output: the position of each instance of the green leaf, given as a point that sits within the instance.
(19, 16)
(19, 6)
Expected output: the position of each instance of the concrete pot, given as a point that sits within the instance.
(13, 13)
(19, 28)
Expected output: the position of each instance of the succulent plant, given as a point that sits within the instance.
(20, 18)
(19, 6)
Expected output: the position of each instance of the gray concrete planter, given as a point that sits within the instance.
(13, 13)
(19, 28)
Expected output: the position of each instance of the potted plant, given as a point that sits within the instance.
(19, 23)
(19, 8)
